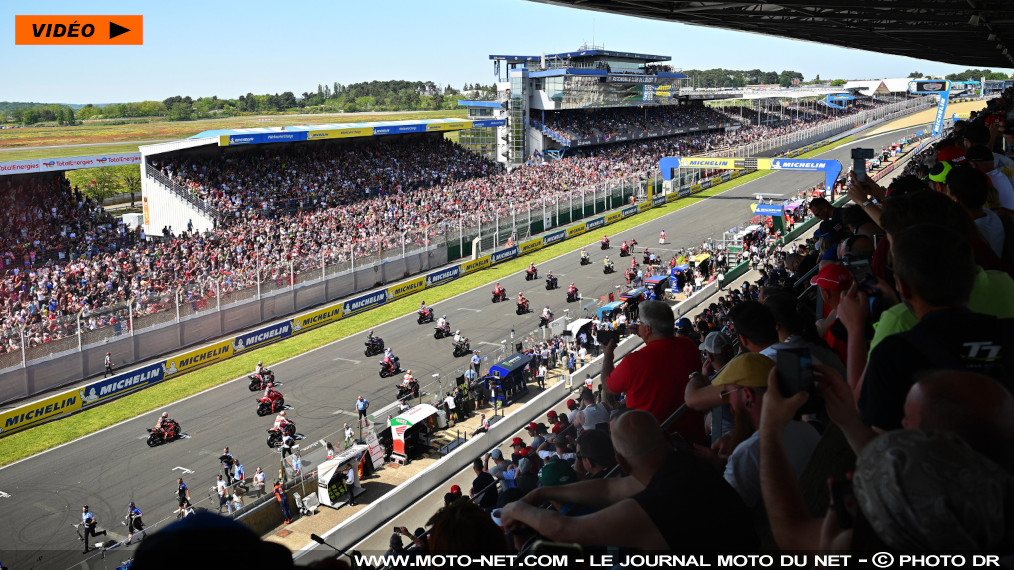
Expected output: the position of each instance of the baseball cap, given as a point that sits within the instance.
(979, 153)
(938, 172)
(524, 452)
(748, 369)
(551, 414)
(525, 465)
(684, 323)
(517, 441)
(532, 426)
(556, 472)
(714, 342)
(496, 454)
(571, 404)
(825, 230)
(456, 489)
(833, 277)
(952, 154)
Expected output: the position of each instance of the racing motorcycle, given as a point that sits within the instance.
(608, 268)
(158, 436)
(374, 345)
(462, 347)
(266, 405)
(572, 296)
(605, 243)
(624, 250)
(390, 369)
(544, 319)
(410, 390)
(522, 307)
(275, 434)
(441, 332)
(261, 382)
(531, 274)
(551, 283)
(502, 296)
(425, 316)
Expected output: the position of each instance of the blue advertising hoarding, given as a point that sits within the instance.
(263, 336)
(121, 384)
(364, 302)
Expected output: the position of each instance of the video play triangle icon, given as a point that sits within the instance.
(116, 30)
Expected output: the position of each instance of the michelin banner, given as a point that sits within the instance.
(554, 237)
(263, 336)
(317, 318)
(503, 255)
(658, 200)
(474, 265)
(197, 358)
(441, 276)
(629, 211)
(530, 246)
(596, 223)
(363, 303)
(407, 288)
(121, 384)
(35, 413)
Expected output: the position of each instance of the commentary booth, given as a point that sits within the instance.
(332, 485)
(507, 379)
(411, 432)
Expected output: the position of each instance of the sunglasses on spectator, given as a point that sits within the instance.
(726, 392)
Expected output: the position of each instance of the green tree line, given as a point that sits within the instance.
(394, 95)
(712, 78)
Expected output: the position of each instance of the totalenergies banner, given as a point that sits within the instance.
(614, 217)
(644, 206)
(69, 163)
(197, 358)
(406, 288)
(37, 412)
(576, 231)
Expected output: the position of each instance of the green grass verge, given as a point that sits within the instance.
(37, 439)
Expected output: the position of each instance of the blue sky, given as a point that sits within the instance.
(231, 48)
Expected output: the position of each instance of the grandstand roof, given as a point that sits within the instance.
(585, 53)
(960, 32)
(420, 125)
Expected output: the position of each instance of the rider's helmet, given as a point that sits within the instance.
(409, 372)
(443, 316)
(547, 307)
(571, 283)
(282, 413)
(165, 414)
(131, 505)
(260, 363)
(271, 384)
(457, 332)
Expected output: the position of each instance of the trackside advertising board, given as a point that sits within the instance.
(115, 386)
(261, 337)
(407, 288)
(33, 414)
(197, 358)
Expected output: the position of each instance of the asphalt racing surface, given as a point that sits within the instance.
(41, 497)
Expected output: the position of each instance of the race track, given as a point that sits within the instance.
(41, 497)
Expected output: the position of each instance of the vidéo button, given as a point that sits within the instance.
(78, 30)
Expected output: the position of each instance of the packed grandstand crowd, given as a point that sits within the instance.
(282, 209)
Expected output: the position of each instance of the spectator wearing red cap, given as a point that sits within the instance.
(952, 154)
(538, 433)
(554, 420)
(832, 280)
(573, 406)
(517, 444)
